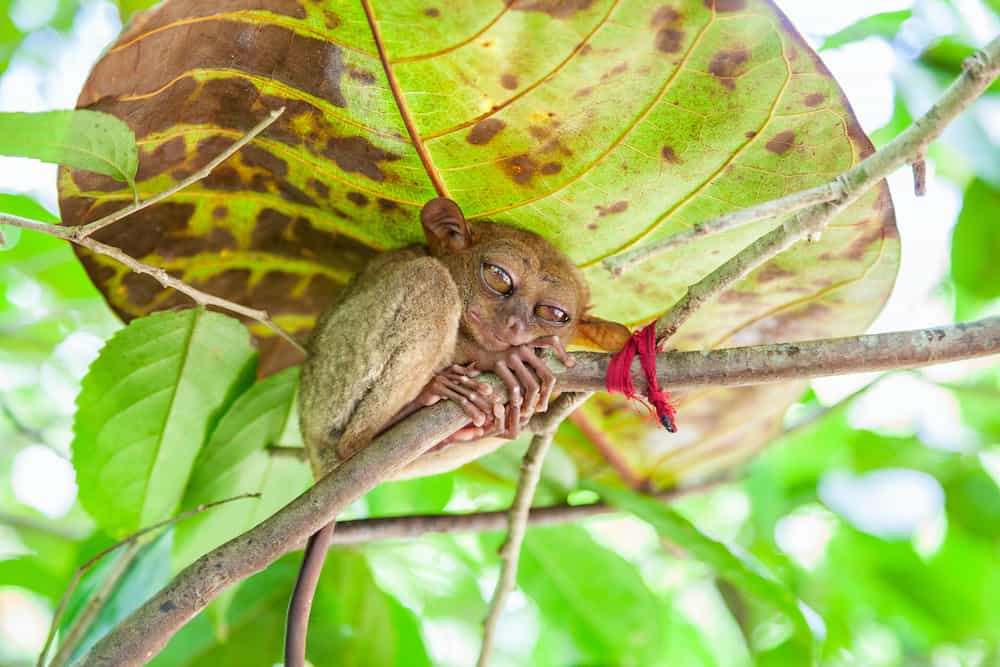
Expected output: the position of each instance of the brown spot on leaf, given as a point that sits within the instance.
(558, 9)
(432, 12)
(160, 159)
(293, 194)
(509, 81)
(220, 212)
(387, 205)
(320, 188)
(781, 143)
(592, 226)
(670, 155)
(750, 134)
(585, 49)
(772, 272)
(664, 15)
(726, 5)
(618, 207)
(733, 296)
(669, 40)
(584, 92)
(727, 65)
(357, 198)
(362, 76)
(614, 71)
(140, 289)
(815, 99)
(550, 168)
(254, 156)
(485, 130)
(358, 155)
(520, 168)
(176, 246)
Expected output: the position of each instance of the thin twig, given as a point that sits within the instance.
(517, 523)
(93, 607)
(979, 72)
(83, 231)
(19, 426)
(366, 531)
(773, 208)
(130, 540)
(510, 551)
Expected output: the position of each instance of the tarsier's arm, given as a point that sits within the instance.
(413, 329)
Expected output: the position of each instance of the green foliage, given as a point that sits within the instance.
(740, 569)
(975, 247)
(80, 139)
(885, 25)
(144, 411)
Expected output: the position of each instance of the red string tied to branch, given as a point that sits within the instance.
(619, 377)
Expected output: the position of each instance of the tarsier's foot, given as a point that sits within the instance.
(455, 383)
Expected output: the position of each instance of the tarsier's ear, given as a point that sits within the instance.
(604, 334)
(445, 226)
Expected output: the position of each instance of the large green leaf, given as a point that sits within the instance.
(601, 124)
(235, 461)
(145, 408)
(81, 139)
(576, 583)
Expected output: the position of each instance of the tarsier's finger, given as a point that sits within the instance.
(514, 395)
(545, 376)
(468, 371)
(469, 393)
(556, 345)
(528, 381)
(477, 416)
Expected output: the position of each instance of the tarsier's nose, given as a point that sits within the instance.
(516, 330)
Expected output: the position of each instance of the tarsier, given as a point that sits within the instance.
(418, 325)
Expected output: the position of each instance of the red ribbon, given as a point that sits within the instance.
(619, 378)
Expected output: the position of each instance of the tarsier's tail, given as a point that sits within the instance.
(301, 601)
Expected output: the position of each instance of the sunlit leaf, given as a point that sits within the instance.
(235, 461)
(145, 408)
(975, 243)
(81, 139)
(885, 25)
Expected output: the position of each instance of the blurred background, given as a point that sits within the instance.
(879, 506)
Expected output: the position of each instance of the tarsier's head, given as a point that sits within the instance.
(515, 286)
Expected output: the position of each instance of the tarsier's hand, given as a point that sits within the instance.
(477, 399)
(529, 383)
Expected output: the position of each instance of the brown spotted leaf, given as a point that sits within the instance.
(601, 124)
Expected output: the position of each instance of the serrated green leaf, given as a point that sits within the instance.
(145, 408)
(81, 139)
(235, 461)
(737, 567)
(886, 24)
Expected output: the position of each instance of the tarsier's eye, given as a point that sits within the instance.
(552, 314)
(496, 279)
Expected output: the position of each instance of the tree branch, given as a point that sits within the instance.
(366, 531)
(780, 362)
(149, 628)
